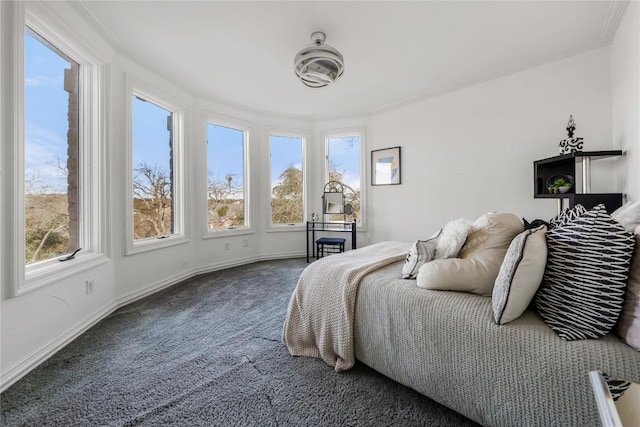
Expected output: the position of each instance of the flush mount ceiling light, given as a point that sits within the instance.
(318, 65)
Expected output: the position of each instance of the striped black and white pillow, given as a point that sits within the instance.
(567, 215)
(582, 290)
(617, 387)
(421, 251)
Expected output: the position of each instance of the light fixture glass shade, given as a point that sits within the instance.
(318, 65)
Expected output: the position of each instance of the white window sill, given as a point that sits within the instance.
(154, 243)
(286, 227)
(47, 272)
(226, 232)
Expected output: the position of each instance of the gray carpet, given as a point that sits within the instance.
(207, 352)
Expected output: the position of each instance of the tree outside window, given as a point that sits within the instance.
(287, 180)
(344, 166)
(152, 170)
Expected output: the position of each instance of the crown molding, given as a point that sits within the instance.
(612, 20)
(81, 7)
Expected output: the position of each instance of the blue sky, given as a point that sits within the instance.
(45, 117)
(46, 128)
(285, 151)
(225, 153)
(150, 135)
(345, 152)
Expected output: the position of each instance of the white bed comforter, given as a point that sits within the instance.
(319, 319)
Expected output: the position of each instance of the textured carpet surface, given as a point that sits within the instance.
(207, 352)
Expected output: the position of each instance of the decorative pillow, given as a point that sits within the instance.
(520, 275)
(616, 386)
(421, 251)
(628, 215)
(479, 260)
(452, 237)
(477, 238)
(582, 289)
(629, 322)
(569, 214)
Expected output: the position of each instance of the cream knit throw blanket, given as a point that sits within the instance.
(319, 320)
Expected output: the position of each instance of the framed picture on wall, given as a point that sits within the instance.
(385, 166)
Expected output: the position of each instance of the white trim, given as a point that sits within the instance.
(33, 360)
(18, 252)
(226, 232)
(247, 130)
(282, 228)
(81, 7)
(612, 20)
(177, 106)
(60, 23)
(306, 138)
(2, 136)
(92, 160)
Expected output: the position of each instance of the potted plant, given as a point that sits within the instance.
(562, 185)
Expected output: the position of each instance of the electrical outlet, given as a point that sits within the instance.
(89, 284)
(227, 246)
(369, 239)
(245, 243)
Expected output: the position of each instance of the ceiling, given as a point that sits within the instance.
(241, 53)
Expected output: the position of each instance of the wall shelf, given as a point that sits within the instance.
(565, 165)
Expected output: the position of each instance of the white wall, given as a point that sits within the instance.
(472, 151)
(625, 78)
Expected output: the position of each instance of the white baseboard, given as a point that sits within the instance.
(32, 361)
(36, 358)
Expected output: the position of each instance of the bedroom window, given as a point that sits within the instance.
(155, 212)
(344, 156)
(51, 151)
(152, 170)
(287, 179)
(227, 203)
(58, 175)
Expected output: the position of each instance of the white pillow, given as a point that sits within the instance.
(452, 238)
(628, 215)
(520, 275)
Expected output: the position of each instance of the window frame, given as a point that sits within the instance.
(136, 87)
(246, 128)
(343, 132)
(305, 137)
(92, 154)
